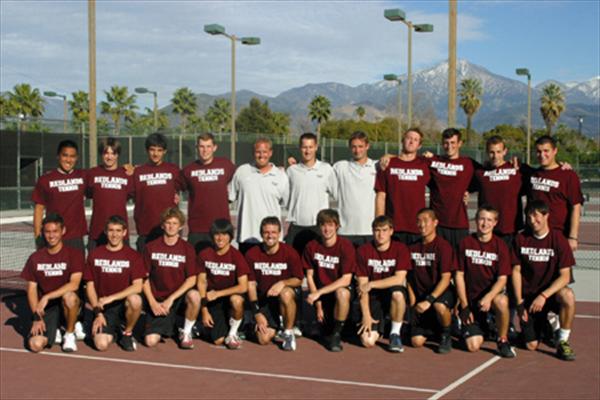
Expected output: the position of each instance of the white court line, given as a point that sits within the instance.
(465, 378)
(226, 371)
(587, 316)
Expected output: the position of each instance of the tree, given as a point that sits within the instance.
(319, 110)
(515, 138)
(470, 91)
(6, 107)
(144, 123)
(281, 124)
(197, 124)
(25, 101)
(258, 118)
(553, 104)
(218, 115)
(80, 109)
(119, 105)
(184, 104)
(360, 112)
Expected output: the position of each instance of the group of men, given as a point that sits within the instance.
(400, 260)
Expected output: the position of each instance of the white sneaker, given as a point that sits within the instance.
(79, 333)
(69, 344)
(233, 342)
(297, 331)
(58, 337)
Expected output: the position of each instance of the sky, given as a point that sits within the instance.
(161, 45)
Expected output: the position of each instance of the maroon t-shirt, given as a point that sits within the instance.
(450, 179)
(64, 194)
(560, 189)
(482, 264)
(109, 190)
(377, 265)
(154, 189)
(429, 261)
(268, 269)
(329, 263)
(113, 271)
(222, 271)
(168, 266)
(541, 260)
(500, 188)
(51, 271)
(404, 184)
(207, 188)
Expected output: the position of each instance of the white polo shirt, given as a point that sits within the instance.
(356, 196)
(258, 196)
(310, 188)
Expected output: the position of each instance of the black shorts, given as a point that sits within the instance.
(452, 235)
(219, 310)
(407, 238)
(269, 307)
(358, 240)
(114, 314)
(380, 302)
(52, 317)
(163, 325)
(533, 329)
(200, 240)
(299, 236)
(426, 324)
(328, 302)
(479, 327)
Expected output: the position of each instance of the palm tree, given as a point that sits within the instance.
(6, 107)
(119, 105)
(319, 110)
(553, 104)
(360, 112)
(218, 115)
(25, 101)
(470, 90)
(80, 109)
(184, 104)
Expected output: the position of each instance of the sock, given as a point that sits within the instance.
(563, 334)
(289, 332)
(554, 322)
(396, 326)
(445, 331)
(338, 326)
(188, 325)
(234, 325)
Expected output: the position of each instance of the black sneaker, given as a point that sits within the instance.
(505, 350)
(395, 345)
(445, 344)
(127, 343)
(564, 351)
(334, 342)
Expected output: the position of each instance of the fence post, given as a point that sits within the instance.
(180, 152)
(324, 150)
(19, 167)
(130, 140)
(331, 150)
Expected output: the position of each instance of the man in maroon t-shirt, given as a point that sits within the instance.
(542, 259)
(108, 186)
(381, 272)
(171, 268)
(329, 263)
(275, 275)
(62, 191)
(222, 283)
(114, 274)
(155, 187)
(53, 274)
(401, 187)
(431, 296)
(206, 180)
(483, 268)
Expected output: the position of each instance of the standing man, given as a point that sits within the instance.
(312, 182)
(275, 275)
(483, 269)
(260, 189)
(53, 274)
(431, 295)
(542, 259)
(381, 271)
(356, 198)
(109, 187)
(329, 262)
(171, 267)
(155, 186)
(114, 274)
(222, 283)
(401, 187)
(206, 180)
(62, 191)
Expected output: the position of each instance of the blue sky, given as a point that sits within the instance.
(161, 44)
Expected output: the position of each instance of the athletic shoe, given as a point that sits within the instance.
(395, 344)
(127, 342)
(233, 342)
(69, 344)
(79, 333)
(334, 343)
(185, 340)
(297, 331)
(289, 342)
(58, 338)
(279, 337)
(505, 350)
(445, 345)
(564, 351)
(195, 331)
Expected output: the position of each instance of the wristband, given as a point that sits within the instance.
(464, 313)
(544, 296)
(254, 307)
(97, 310)
(573, 238)
(430, 298)
(203, 302)
(36, 317)
(521, 308)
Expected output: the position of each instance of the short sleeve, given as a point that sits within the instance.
(515, 259)
(77, 261)
(38, 196)
(504, 264)
(179, 180)
(190, 261)
(295, 264)
(460, 257)
(349, 258)
(27, 273)
(565, 255)
(361, 262)
(138, 271)
(307, 257)
(234, 187)
(380, 181)
(574, 194)
(403, 262)
(447, 259)
(241, 266)
(147, 261)
(332, 184)
(88, 270)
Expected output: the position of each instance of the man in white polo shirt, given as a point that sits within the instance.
(356, 197)
(311, 183)
(260, 189)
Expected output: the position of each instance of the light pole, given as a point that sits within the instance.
(93, 134)
(580, 121)
(216, 29)
(394, 77)
(64, 97)
(452, 63)
(143, 90)
(396, 14)
(525, 72)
